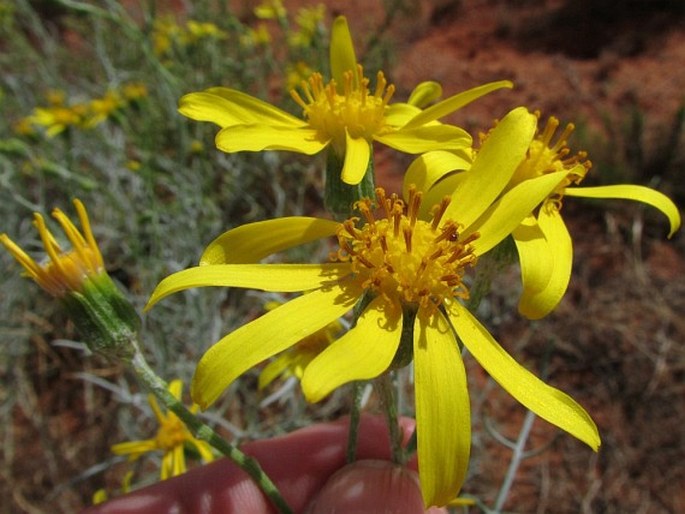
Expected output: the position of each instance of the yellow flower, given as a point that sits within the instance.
(308, 20)
(196, 30)
(66, 271)
(171, 439)
(100, 109)
(256, 37)
(134, 91)
(344, 114)
(293, 361)
(543, 242)
(270, 10)
(57, 119)
(296, 73)
(103, 316)
(408, 275)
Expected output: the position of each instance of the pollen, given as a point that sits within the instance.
(393, 253)
(334, 110)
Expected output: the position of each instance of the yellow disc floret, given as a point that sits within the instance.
(405, 259)
(333, 111)
(547, 157)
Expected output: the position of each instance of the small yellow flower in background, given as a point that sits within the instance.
(133, 91)
(345, 114)
(309, 20)
(409, 274)
(101, 109)
(296, 74)
(171, 439)
(197, 146)
(24, 127)
(133, 165)
(259, 36)
(293, 361)
(77, 277)
(270, 10)
(543, 242)
(165, 31)
(196, 30)
(57, 119)
(55, 97)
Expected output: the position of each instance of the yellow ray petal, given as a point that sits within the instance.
(357, 155)
(275, 368)
(399, 113)
(425, 93)
(429, 168)
(176, 388)
(455, 102)
(506, 213)
(493, 167)
(266, 336)
(443, 421)
(204, 449)
(252, 242)
(342, 56)
(426, 139)
(284, 278)
(255, 138)
(364, 352)
(632, 192)
(535, 258)
(227, 107)
(547, 402)
(556, 258)
(134, 449)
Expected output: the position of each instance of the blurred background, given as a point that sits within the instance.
(88, 98)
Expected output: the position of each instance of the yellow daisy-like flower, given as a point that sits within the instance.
(78, 279)
(345, 114)
(408, 274)
(270, 10)
(57, 119)
(293, 361)
(543, 242)
(65, 271)
(172, 437)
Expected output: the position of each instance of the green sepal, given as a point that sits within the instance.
(104, 317)
(339, 198)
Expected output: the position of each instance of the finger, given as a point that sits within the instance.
(371, 487)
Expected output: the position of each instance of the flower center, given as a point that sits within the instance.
(546, 157)
(353, 110)
(171, 433)
(415, 262)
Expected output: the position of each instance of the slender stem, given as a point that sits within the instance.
(158, 387)
(355, 415)
(516, 458)
(385, 385)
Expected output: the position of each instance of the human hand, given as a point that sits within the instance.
(309, 468)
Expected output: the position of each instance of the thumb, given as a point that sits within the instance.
(371, 487)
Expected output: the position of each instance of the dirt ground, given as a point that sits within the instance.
(614, 68)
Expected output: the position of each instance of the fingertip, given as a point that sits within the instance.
(370, 487)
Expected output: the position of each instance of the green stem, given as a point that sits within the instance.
(355, 415)
(158, 387)
(386, 389)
